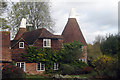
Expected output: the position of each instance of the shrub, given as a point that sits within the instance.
(81, 67)
(105, 66)
(11, 71)
(86, 70)
(66, 69)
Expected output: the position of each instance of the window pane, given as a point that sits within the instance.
(22, 66)
(42, 66)
(38, 66)
(45, 43)
(18, 64)
(21, 44)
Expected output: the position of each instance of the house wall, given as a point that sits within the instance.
(84, 54)
(16, 52)
(55, 44)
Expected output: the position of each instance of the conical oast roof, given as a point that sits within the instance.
(72, 32)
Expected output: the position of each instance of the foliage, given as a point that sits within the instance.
(46, 55)
(11, 71)
(93, 51)
(76, 68)
(3, 24)
(66, 69)
(67, 55)
(3, 21)
(81, 67)
(105, 66)
(86, 70)
(70, 52)
(110, 45)
(36, 13)
(3, 6)
(79, 64)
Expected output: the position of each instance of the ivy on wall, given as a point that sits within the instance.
(68, 54)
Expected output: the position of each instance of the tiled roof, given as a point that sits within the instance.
(13, 42)
(31, 36)
(72, 32)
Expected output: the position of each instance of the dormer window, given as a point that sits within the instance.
(21, 44)
(46, 42)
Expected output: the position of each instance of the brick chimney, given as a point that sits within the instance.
(21, 30)
(5, 55)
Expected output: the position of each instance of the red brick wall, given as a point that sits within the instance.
(5, 46)
(31, 69)
(55, 44)
(84, 54)
(16, 51)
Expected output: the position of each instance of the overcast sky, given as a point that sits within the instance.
(96, 17)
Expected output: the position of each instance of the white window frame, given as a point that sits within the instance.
(20, 43)
(55, 67)
(40, 67)
(48, 43)
(83, 60)
(20, 65)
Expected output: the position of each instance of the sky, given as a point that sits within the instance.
(96, 17)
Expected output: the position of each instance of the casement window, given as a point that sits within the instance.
(46, 42)
(55, 66)
(40, 67)
(21, 44)
(21, 65)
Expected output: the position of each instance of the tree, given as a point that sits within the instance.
(36, 13)
(70, 52)
(105, 66)
(3, 21)
(3, 6)
(110, 45)
(94, 50)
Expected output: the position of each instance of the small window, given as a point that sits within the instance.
(40, 67)
(21, 65)
(55, 66)
(46, 42)
(83, 60)
(21, 44)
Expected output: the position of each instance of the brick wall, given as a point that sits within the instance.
(84, 54)
(31, 69)
(5, 46)
(55, 44)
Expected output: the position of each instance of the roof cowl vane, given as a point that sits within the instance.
(23, 23)
(72, 13)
